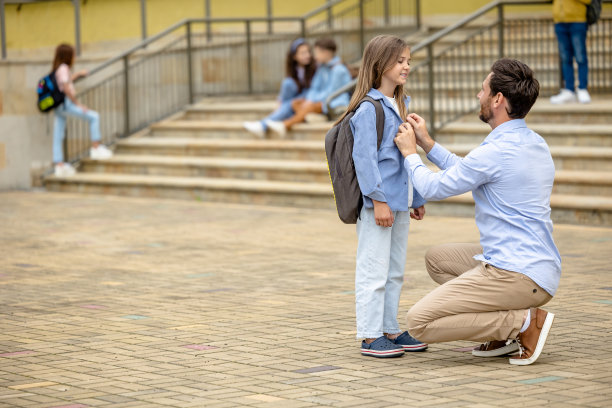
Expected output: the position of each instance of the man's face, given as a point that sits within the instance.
(484, 96)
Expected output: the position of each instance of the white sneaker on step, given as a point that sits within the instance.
(64, 170)
(100, 153)
(583, 96)
(565, 96)
(255, 128)
(277, 127)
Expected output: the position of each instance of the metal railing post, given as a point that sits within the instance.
(77, 26)
(500, 29)
(330, 16)
(143, 18)
(189, 63)
(431, 93)
(419, 22)
(249, 55)
(269, 11)
(208, 27)
(3, 29)
(126, 95)
(386, 10)
(303, 27)
(361, 27)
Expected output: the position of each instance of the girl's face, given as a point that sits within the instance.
(302, 55)
(398, 73)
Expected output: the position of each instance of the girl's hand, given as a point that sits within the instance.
(81, 73)
(418, 213)
(383, 214)
(85, 108)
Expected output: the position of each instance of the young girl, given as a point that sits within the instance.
(300, 69)
(388, 195)
(63, 61)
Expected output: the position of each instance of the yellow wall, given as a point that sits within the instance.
(49, 23)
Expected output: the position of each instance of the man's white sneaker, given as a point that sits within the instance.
(255, 128)
(277, 127)
(565, 96)
(583, 96)
(100, 153)
(64, 170)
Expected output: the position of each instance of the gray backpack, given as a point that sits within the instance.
(339, 150)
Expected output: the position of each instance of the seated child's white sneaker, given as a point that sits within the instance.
(100, 153)
(583, 96)
(64, 170)
(277, 127)
(255, 128)
(565, 96)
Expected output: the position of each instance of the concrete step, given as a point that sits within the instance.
(565, 157)
(238, 112)
(566, 182)
(229, 148)
(232, 130)
(555, 134)
(590, 210)
(276, 193)
(211, 167)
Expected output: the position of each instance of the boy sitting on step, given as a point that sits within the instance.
(331, 75)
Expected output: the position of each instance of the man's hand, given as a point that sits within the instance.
(420, 131)
(405, 140)
(383, 214)
(418, 213)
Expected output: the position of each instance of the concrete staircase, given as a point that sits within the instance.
(204, 154)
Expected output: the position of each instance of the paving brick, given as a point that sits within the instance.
(271, 290)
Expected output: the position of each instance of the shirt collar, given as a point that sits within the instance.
(332, 62)
(377, 95)
(505, 127)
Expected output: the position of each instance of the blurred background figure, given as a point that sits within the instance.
(571, 30)
(300, 69)
(62, 64)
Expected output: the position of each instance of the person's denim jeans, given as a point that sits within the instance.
(572, 44)
(288, 92)
(68, 108)
(379, 275)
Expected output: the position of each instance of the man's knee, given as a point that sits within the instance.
(416, 323)
(432, 263)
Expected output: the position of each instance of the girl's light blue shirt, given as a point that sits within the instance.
(380, 172)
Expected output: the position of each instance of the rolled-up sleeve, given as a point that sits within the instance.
(365, 152)
(478, 167)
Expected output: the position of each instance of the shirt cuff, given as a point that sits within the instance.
(437, 153)
(412, 161)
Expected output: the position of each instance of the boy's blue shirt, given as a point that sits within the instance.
(328, 78)
(381, 173)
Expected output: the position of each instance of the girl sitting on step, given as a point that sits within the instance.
(388, 195)
(62, 64)
(300, 68)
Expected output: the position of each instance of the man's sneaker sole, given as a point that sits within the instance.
(541, 340)
(501, 351)
(383, 354)
(415, 347)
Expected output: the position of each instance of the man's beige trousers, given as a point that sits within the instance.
(475, 301)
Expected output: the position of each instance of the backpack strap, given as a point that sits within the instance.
(380, 116)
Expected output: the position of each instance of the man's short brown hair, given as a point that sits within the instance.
(516, 82)
(326, 43)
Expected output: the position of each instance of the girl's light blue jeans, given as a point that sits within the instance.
(68, 108)
(288, 92)
(381, 259)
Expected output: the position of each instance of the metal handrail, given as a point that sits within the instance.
(431, 40)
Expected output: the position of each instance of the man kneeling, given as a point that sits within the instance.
(491, 292)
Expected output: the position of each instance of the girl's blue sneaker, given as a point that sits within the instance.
(409, 343)
(382, 347)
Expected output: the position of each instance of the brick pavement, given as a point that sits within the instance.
(116, 302)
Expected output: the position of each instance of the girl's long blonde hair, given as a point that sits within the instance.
(380, 54)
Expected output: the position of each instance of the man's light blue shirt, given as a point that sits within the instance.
(380, 172)
(511, 177)
(327, 79)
